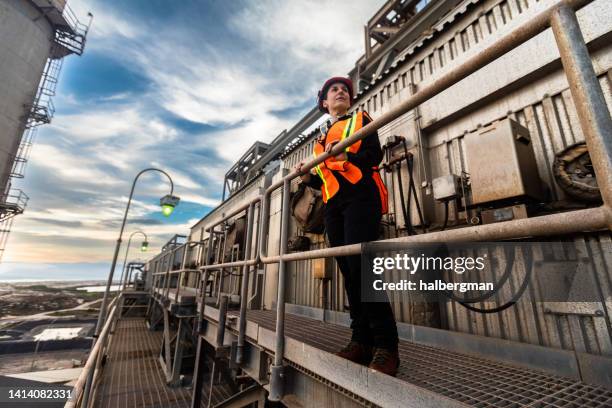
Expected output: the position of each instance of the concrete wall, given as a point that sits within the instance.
(24, 47)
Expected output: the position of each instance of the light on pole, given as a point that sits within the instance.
(170, 201)
(143, 248)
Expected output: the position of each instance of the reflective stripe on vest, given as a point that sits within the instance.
(348, 170)
(350, 129)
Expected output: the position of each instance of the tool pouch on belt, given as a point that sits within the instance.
(298, 243)
(307, 209)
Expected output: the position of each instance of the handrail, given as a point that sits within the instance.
(92, 359)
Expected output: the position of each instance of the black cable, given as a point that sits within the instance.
(411, 186)
(517, 295)
(445, 216)
(405, 212)
(496, 287)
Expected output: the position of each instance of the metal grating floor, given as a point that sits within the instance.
(133, 376)
(472, 380)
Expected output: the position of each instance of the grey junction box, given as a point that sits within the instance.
(501, 163)
(446, 187)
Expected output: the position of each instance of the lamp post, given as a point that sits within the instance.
(168, 202)
(143, 248)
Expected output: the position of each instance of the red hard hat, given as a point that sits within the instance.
(330, 82)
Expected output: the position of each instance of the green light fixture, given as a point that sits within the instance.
(168, 202)
(144, 247)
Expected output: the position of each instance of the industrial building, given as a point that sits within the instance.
(494, 116)
(35, 36)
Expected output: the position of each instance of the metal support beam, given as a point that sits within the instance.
(198, 373)
(178, 356)
(166, 340)
(222, 318)
(245, 286)
(254, 393)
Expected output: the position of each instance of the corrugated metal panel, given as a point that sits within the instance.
(553, 125)
(532, 322)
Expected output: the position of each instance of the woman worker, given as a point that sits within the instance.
(355, 199)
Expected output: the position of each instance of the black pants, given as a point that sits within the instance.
(352, 222)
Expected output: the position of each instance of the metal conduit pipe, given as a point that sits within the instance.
(222, 317)
(592, 219)
(222, 269)
(211, 234)
(276, 370)
(201, 314)
(264, 214)
(245, 286)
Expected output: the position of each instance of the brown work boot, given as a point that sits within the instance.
(356, 352)
(385, 361)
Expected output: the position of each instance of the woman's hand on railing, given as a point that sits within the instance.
(339, 156)
(304, 177)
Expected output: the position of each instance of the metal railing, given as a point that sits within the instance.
(80, 395)
(594, 120)
(12, 203)
(73, 35)
(183, 271)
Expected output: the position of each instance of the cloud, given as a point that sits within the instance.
(314, 38)
(217, 78)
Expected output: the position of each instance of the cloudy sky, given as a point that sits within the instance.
(186, 86)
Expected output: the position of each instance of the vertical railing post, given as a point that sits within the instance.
(588, 97)
(181, 272)
(276, 373)
(221, 271)
(198, 371)
(245, 286)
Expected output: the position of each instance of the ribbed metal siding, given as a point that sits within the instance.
(553, 125)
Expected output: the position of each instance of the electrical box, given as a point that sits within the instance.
(502, 163)
(447, 187)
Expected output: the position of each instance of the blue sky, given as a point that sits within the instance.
(185, 86)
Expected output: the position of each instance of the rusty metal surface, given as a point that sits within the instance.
(133, 376)
(474, 381)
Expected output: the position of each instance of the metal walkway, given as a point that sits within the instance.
(133, 376)
(468, 379)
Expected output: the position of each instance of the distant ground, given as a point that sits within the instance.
(21, 299)
(47, 360)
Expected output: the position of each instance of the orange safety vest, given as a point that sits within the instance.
(338, 132)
